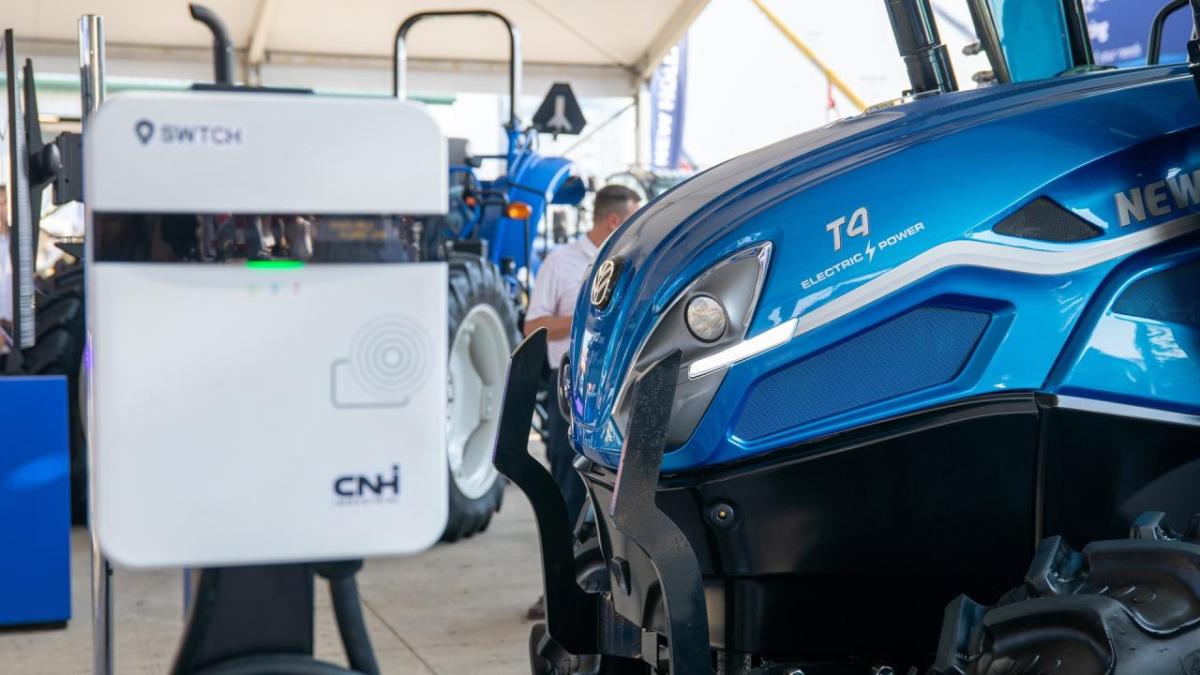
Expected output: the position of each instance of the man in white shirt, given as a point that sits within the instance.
(551, 306)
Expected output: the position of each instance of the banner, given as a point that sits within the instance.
(668, 103)
(1120, 29)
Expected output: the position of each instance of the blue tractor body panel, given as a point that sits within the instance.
(899, 293)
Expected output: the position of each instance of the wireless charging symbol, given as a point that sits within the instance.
(389, 360)
(144, 130)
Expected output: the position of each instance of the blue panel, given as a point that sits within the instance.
(1033, 36)
(1142, 347)
(934, 344)
(35, 509)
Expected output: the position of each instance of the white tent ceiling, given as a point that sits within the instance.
(617, 39)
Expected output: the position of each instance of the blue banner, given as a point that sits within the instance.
(1120, 30)
(668, 102)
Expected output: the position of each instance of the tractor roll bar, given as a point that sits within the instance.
(1154, 46)
(400, 55)
(925, 57)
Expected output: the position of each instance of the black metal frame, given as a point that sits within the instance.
(1193, 46)
(582, 623)
(400, 55)
(1154, 44)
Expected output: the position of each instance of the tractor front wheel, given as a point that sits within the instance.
(483, 333)
(1121, 607)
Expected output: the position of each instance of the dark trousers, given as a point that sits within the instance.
(562, 459)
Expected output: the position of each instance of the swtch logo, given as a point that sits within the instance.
(187, 134)
(144, 130)
(368, 488)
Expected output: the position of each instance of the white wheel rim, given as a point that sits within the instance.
(478, 361)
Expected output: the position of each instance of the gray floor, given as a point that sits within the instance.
(456, 609)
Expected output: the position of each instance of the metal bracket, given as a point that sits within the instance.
(635, 513)
(571, 613)
(1193, 46)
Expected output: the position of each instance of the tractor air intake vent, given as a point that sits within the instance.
(1170, 296)
(917, 350)
(1044, 220)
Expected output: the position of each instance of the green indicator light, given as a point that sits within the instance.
(274, 264)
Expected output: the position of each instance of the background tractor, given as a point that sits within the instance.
(488, 239)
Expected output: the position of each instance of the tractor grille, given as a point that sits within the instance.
(1045, 220)
(1170, 296)
(917, 350)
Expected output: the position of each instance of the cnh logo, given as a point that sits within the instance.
(187, 134)
(379, 486)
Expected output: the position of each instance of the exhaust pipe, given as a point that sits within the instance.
(222, 45)
(925, 57)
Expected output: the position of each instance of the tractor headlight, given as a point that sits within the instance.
(705, 321)
(705, 318)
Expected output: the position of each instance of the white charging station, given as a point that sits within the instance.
(267, 368)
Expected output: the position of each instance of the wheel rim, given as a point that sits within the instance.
(478, 361)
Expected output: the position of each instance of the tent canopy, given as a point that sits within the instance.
(618, 40)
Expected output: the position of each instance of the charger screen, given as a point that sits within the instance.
(259, 240)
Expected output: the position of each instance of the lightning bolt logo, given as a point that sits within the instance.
(870, 251)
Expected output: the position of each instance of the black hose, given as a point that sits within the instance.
(222, 44)
(347, 608)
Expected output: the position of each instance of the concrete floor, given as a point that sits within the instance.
(458, 608)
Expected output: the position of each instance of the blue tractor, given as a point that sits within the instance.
(488, 240)
(832, 396)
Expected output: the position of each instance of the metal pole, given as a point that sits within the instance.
(91, 90)
(834, 79)
(91, 63)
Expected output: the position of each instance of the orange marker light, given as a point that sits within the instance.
(518, 211)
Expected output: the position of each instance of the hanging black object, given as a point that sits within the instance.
(559, 112)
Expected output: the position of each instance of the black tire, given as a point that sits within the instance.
(474, 281)
(1119, 607)
(60, 323)
(591, 573)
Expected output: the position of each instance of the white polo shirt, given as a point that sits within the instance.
(556, 288)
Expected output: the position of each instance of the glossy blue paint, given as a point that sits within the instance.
(1132, 359)
(956, 164)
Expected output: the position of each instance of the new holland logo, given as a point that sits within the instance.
(606, 279)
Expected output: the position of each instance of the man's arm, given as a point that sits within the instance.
(543, 304)
(557, 327)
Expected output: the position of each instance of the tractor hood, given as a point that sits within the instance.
(806, 234)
